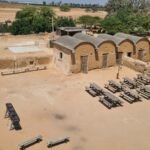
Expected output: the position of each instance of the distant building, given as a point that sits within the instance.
(69, 31)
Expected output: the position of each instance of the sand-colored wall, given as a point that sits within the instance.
(18, 61)
(143, 45)
(126, 47)
(85, 49)
(65, 63)
(110, 49)
(140, 66)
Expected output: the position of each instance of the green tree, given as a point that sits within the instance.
(89, 21)
(65, 8)
(33, 19)
(65, 22)
(21, 26)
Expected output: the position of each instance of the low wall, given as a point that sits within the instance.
(26, 60)
(137, 65)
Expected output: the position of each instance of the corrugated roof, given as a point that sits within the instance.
(69, 42)
(88, 38)
(115, 39)
(133, 38)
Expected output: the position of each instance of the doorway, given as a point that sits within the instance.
(119, 57)
(105, 60)
(84, 64)
(140, 54)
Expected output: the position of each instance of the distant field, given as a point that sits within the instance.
(8, 12)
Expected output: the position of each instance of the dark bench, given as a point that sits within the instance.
(12, 114)
(90, 91)
(30, 142)
(130, 95)
(99, 91)
(126, 97)
(58, 142)
(129, 83)
(144, 91)
(108, 104)
(144, 79)
(110, 88)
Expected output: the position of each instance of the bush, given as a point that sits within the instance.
(65, 8)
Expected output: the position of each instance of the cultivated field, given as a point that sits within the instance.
(55, 105)
(8, 12)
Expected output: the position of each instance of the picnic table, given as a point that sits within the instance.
(96, 88)
(90, 91)
(113, 86)
(130, 95)
(144, 91)
(129, 83)
(143, 79)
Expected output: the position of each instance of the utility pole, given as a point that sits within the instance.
(52, 24)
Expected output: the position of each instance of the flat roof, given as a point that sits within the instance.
(71, 29)
(24, 49)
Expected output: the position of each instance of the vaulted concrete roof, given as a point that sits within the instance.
(70, 42)
(115, 39)
(96, 41)
(133, 38)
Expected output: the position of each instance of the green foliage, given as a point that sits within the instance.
(21, 26)
(137, 5)
(65, 22)
(126, 20)
(33, 19)
(4, 27)
(65, 8)
(89, 21)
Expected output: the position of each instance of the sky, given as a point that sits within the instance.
(101, 2)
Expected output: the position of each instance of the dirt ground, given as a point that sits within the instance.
(8, 12)
(54, 105)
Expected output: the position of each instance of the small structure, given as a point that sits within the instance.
(69, 31)
(125, 46)
(142, 45)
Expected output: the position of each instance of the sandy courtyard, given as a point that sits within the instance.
(55, 105)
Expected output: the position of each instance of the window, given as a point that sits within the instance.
(129, 54)
(60, 55)
(31, 62)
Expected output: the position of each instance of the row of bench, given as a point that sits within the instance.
(130, 91)
(23, 70)
(108, 99)
(39, 138)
